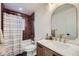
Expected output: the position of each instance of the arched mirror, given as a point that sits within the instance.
(64, 21)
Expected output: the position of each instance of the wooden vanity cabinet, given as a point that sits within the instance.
(47, 52)
(44, 51)
(40, 50)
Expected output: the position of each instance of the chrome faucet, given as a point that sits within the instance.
(60, 37)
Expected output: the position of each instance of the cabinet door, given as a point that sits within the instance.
(40, 50)
(47, 52)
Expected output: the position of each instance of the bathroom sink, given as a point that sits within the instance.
(61, 46)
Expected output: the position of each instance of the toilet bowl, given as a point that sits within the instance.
(29, 46)
(30, 49)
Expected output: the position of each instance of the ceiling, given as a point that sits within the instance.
(27, 8)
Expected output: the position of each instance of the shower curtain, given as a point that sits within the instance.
(13, 30)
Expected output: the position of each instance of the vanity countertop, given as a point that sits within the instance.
(64, 49)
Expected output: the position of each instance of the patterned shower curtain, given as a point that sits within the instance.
(13, 29)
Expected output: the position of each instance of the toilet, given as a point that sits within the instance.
(29, 47)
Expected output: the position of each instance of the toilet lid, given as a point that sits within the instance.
(30, 47)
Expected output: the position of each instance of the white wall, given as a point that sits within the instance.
(43, 20)
(0, 15)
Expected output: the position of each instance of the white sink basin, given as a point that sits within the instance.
(61, 46)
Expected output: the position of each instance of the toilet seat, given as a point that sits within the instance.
(30, 48)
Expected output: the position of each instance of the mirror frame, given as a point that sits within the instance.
(76, 16)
